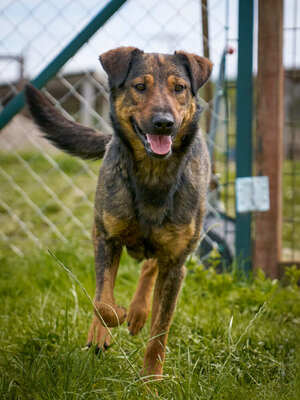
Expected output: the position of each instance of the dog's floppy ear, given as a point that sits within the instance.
(116, 64)
(198, 68)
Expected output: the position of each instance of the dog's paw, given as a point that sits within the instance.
(99, 335)
(110, 315)
(136, 319)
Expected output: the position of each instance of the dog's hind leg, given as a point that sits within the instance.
(167, 287)
(141, 303)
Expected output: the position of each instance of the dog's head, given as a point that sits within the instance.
(154, 96)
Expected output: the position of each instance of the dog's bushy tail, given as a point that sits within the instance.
(67, 135)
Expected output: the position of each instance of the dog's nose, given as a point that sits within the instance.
(163, 121)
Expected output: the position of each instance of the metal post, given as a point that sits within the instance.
(208, 92)
(269, 152)
(17, 103)
(244, 126)
(88, 93)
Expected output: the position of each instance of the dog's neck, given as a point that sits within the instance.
(157, 180)
(155, 183)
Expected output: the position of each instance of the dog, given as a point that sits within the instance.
(152, 185)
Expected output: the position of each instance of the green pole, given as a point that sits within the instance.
(17, 103)
(244, 126)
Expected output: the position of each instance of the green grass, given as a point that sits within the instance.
(231, 338)
(68, 180)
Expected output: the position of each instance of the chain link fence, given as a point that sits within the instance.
(291, 167)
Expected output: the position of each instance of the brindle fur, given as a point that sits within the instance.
(153, 206)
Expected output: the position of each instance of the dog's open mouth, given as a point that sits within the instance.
(156, 145)
(160, 144)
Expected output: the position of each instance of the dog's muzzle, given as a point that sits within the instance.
(158, 143)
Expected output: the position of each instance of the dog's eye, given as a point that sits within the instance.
(179, 88)
(140, 87)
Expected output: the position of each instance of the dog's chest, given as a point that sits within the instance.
(151, 241)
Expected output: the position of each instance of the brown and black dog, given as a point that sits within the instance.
(152, 184)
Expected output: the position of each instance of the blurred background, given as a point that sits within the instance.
(46, 197)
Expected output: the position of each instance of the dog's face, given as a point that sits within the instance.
(154, 96)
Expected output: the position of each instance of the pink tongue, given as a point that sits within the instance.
(160, 144)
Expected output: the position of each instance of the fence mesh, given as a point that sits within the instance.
(291, 167)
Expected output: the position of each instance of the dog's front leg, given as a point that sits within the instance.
(107, 313)
(166, 291)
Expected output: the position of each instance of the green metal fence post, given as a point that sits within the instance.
(17, 103)
(244, 126)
